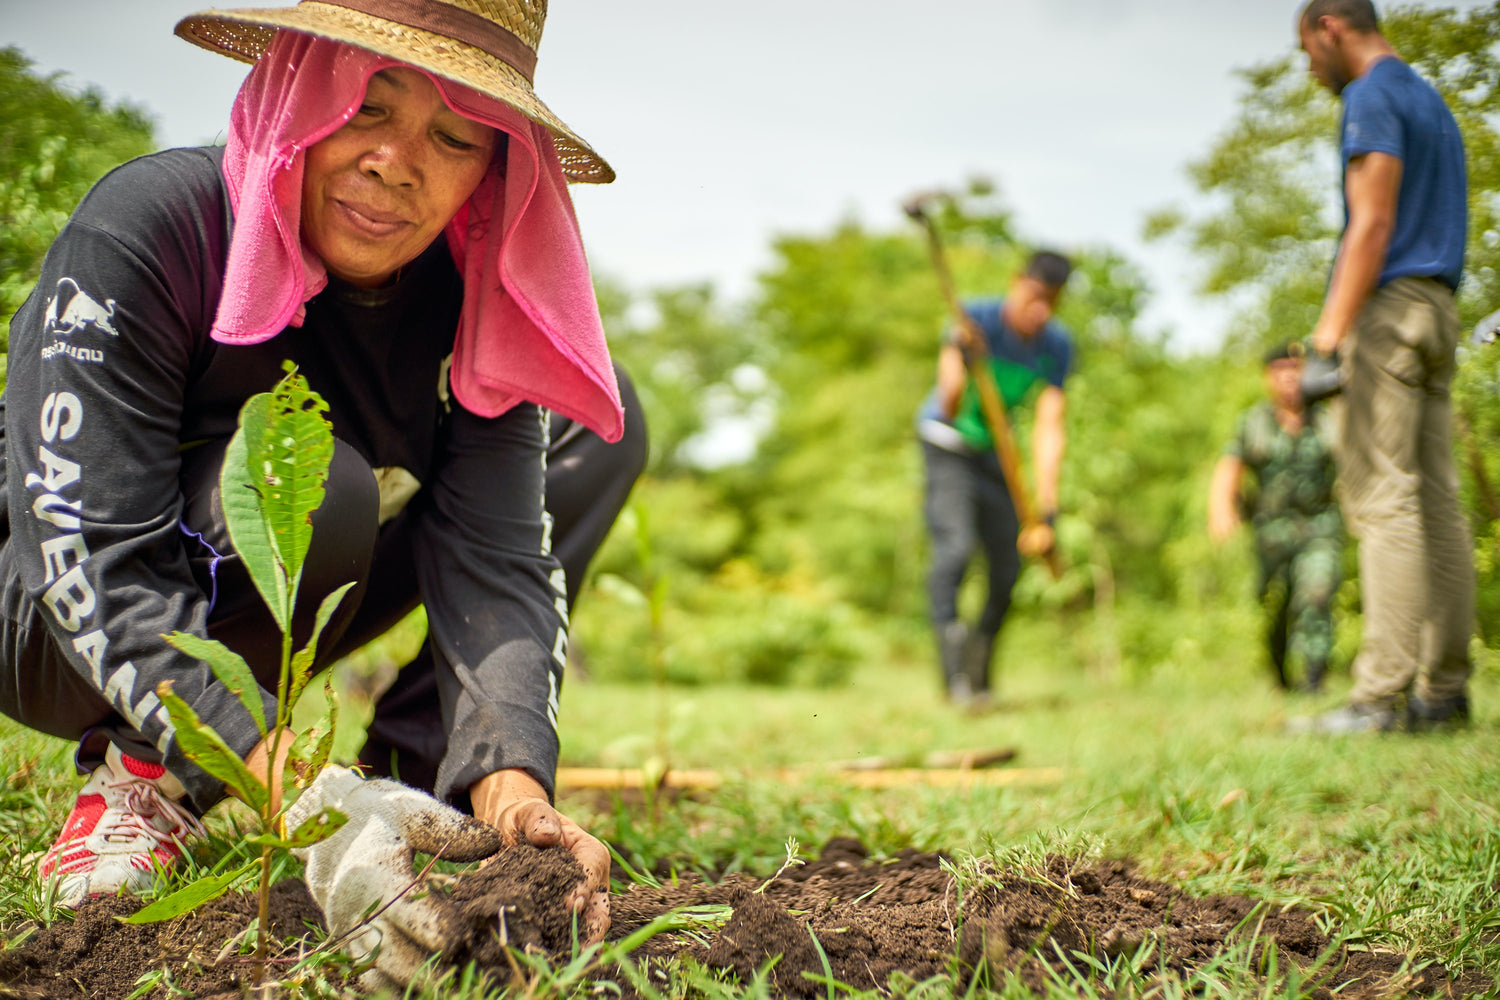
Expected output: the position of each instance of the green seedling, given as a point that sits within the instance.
(157, 981)
(272, 481)
(793, 860)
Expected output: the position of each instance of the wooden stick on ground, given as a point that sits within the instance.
(963, 760)
(613, 778)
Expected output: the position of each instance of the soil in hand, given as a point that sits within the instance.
(518, 900)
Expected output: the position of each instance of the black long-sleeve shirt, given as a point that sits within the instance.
(112, 375)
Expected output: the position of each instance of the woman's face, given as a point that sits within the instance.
(377, 192)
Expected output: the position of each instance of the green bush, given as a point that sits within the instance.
(729, 630)
(54, 144)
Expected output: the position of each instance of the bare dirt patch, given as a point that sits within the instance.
(95, 955)
(870, 921)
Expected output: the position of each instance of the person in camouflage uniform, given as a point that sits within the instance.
(1299, 533)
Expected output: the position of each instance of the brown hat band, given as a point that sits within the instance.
(452, 22)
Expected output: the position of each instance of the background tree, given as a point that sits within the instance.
(54, 144)
(694, 364)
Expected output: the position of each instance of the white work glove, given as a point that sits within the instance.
(368, 863)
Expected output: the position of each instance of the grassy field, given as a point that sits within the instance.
(1186, 771)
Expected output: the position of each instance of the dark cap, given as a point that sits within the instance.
(1050, 268)
(1294, 349)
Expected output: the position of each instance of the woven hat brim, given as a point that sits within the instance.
(245, 34)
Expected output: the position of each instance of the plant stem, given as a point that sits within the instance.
(268, 819)
(263, 930)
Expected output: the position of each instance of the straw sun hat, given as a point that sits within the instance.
(488, 45)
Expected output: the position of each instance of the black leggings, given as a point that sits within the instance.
(588, 482)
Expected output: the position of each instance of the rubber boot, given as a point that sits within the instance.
(952, 639)
(978, 651)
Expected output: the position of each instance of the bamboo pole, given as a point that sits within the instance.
(619, 778)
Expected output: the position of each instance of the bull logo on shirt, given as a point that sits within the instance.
(72, 309)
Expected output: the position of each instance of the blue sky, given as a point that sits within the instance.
(728, 127)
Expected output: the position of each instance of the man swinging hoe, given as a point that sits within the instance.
(998, 355)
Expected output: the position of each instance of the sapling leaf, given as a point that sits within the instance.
(272, 481)
(229, 667)
(289, 444)
(297, 773)
(240, 500)
(189, 897)
(303, 659)
(324, 748)
(301, 673)
(321, 752)
(313, 830)
(208, 750)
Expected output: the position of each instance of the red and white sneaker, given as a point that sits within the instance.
(127, 822)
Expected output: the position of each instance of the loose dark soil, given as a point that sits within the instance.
(870, 921)
(96, 956)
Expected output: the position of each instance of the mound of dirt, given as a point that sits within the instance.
(95, 955)
(907, 917)
(863, 922)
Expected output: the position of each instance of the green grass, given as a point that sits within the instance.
(1186, 770)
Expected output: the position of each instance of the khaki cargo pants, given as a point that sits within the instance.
(1399, 490)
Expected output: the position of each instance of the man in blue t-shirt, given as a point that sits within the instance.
(1389, 315)
(967, 502)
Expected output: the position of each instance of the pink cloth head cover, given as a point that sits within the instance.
(529, 328)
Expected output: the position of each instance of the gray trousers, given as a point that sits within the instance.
(1399, 491)
(968, 507)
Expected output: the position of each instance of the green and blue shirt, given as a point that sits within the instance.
(1021, 366)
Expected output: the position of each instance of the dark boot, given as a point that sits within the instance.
(1313, 682)
(1439, 714)
(952, 639)
(978, 652)
(1277, 641)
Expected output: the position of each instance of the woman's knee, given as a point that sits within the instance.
(39, 688)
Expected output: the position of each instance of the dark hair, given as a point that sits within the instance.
(1358, 14)
(1050, 268)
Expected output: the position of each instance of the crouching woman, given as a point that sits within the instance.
(391, 214)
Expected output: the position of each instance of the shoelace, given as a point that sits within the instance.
(128, 823)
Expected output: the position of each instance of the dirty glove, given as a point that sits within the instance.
(367, 864)
(1322, 377)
